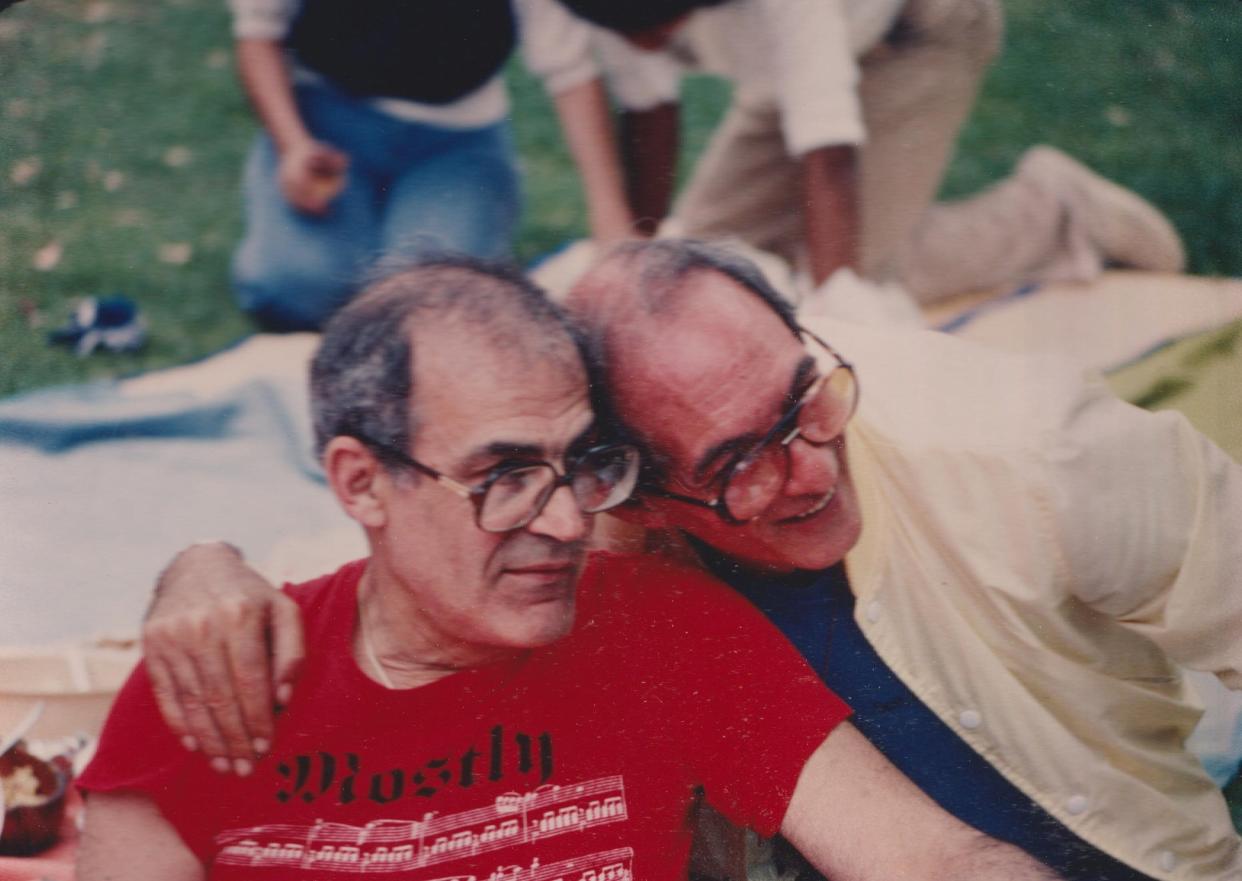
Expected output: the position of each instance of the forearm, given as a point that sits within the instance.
(856, 817)
(265, 77)
(649, 145)
(985, 859)
(830, 200)
(933, 846)
(587, 126)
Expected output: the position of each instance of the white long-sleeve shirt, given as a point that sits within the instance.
(800, 55)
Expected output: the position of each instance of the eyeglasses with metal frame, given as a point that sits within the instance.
(754, 479)
(601, 477)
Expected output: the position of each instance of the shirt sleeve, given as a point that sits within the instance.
(1148, 514)
(816, 75)
(262, 19)
(556, 45)
(637, 79)
(758, 711)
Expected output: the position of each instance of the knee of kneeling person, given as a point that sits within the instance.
(284, 298)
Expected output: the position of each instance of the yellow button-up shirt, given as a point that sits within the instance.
(1037, 557)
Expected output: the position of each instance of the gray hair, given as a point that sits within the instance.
(362, 375)
(655, 272)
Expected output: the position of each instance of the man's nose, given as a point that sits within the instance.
(813, 470)
(561, 518)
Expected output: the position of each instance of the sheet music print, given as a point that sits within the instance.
(401, 845)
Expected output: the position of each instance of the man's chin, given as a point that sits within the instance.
(550, 634)
(543, 623)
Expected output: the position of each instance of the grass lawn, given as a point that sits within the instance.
(122, 132)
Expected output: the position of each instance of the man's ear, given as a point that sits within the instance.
(357, 479)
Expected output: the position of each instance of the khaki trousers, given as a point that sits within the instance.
(916, 88)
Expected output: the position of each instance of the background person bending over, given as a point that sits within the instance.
(843, 119)
(466, 709)
(386, 132)
(1026, 559)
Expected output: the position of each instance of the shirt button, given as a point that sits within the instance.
(1168, 861)
(1077, 804)
(970, 719)
(873, 611)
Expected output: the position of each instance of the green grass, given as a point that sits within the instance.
(1144, 92)
(97, 92)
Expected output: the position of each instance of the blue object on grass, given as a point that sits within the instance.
(112, 323)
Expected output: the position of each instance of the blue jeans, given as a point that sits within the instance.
(412, 188)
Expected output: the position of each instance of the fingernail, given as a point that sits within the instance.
(220, 765)
(243, 767)
(283, 693)
(261, 746)
(189, 743)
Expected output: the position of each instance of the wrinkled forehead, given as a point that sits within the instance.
(456, 348)
(469, 384)
(721, 363)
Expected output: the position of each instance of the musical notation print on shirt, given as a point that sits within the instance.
(388, 845)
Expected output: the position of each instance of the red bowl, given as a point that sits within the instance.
(29, 829)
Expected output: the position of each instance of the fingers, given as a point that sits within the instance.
(251, 684)
(166, 690)
(325, 160)
(205, 728)
(178, 692)
(222, 702)
(312, 177)
(187, 695)
(212, 678)
(288, 646)
(307, 198)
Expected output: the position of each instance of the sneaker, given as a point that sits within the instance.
(110, 323)
(1125, 229)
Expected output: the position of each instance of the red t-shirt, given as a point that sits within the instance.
(580, 760)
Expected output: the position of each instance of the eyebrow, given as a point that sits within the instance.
(499, 449)
(805, 368)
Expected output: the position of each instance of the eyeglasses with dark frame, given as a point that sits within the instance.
(754, 480)
(600, 478)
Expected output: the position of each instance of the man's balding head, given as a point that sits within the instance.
(696, 358)
(639, 284)
(363, 374)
